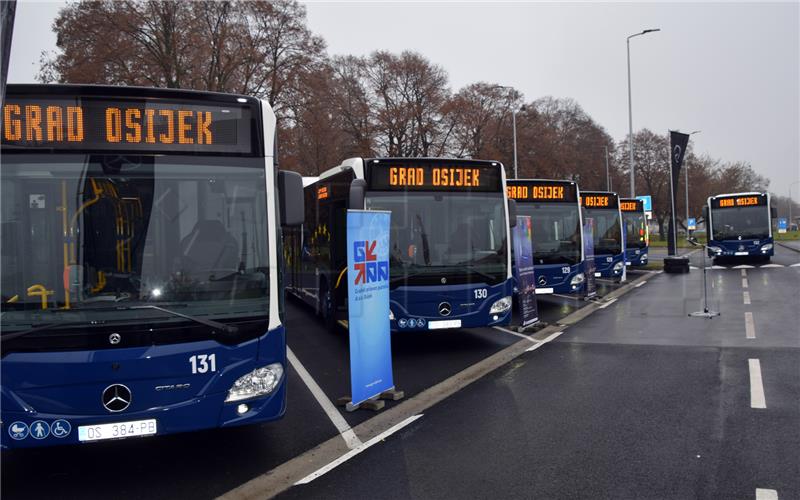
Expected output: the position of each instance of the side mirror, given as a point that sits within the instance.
(512, 213)
(358, 190)
(705, 212)
(290, 198)
(773, 212)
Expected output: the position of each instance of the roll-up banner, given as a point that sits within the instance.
(589, 267)
(678, 143)
(368, 304)
(523, 263)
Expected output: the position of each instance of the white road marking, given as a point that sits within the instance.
(743, 266)
(764, 494)
(744, 273)
(744, 282)
(336, 418)
(641, 283)
(521, 335)
(606, 304)
(746, 298)
(693, 267)
(355, 451)
(545, 341)
(795, 265)
(757, 399)
(772, 265)
(749, 325)
(718, 267)
(573, 297)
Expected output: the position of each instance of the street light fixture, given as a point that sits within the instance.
(630, 106)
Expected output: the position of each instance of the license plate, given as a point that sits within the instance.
(742, 253)
(597, 275)
(117, 430)
(544, 290)
(449, 323)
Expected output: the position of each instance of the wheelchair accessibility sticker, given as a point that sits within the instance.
(60, 428)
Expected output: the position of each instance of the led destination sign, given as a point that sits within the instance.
(631, 205)
(537, 191)
(599, 200)
(739, 201)
(435, 177)
(157, 126)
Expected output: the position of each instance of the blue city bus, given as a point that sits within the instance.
(739, 225)
(603, 208)
(637, 236)
(450, 258)
(555, 212)
(141, 292)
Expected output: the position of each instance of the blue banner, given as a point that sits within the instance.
(523, 267)
(368, 303)
(589, 267)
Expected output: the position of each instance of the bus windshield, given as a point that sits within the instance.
(607, 237)
(89, 238)
(556, 232)
(748, 222)
(446, 234)
(635, 229)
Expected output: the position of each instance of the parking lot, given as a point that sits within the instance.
(526, 410)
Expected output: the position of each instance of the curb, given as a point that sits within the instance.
(793, 249)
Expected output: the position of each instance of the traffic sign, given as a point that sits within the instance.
(691, 224)
(782, 225)
(648, 202)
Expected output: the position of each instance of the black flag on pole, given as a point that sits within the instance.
(677, 143)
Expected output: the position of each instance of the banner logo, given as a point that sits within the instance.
(368, 268)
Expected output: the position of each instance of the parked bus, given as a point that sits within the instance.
(603, 207)
(739, 225)
(637, 236)
(141, 292)
(557, 235)
(450, 258)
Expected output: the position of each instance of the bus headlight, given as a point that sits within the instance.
(618, 267)
(391, 315)
(644, 257)
(766, 248)
(577, 279)
(716, 250)
(501, 306)
(258, 382)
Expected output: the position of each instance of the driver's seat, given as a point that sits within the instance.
(209, 246)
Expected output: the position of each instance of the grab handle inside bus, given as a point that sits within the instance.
(358, 189)
(290, 195)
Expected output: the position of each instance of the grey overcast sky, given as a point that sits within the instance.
(731, 70)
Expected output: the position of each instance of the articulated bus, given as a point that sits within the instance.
(637, 237)
(450, 258)
(557, 232)
(141, 292)
(603, 207)
(739, 225)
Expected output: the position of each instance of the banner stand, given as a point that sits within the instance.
(589, 285)
(374, 403)
(368, 325)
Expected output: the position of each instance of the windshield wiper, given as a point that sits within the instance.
(45, 326)
(202, 321)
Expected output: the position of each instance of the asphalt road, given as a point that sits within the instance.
(208, 464)
(637, 401)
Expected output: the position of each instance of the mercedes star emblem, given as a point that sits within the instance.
(542, 280)
(114, 338)
(116, 398)
(445, 309)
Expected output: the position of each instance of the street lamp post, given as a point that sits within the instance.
(513, 125)
(630, 106)
(791, 202)
(608, 178)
